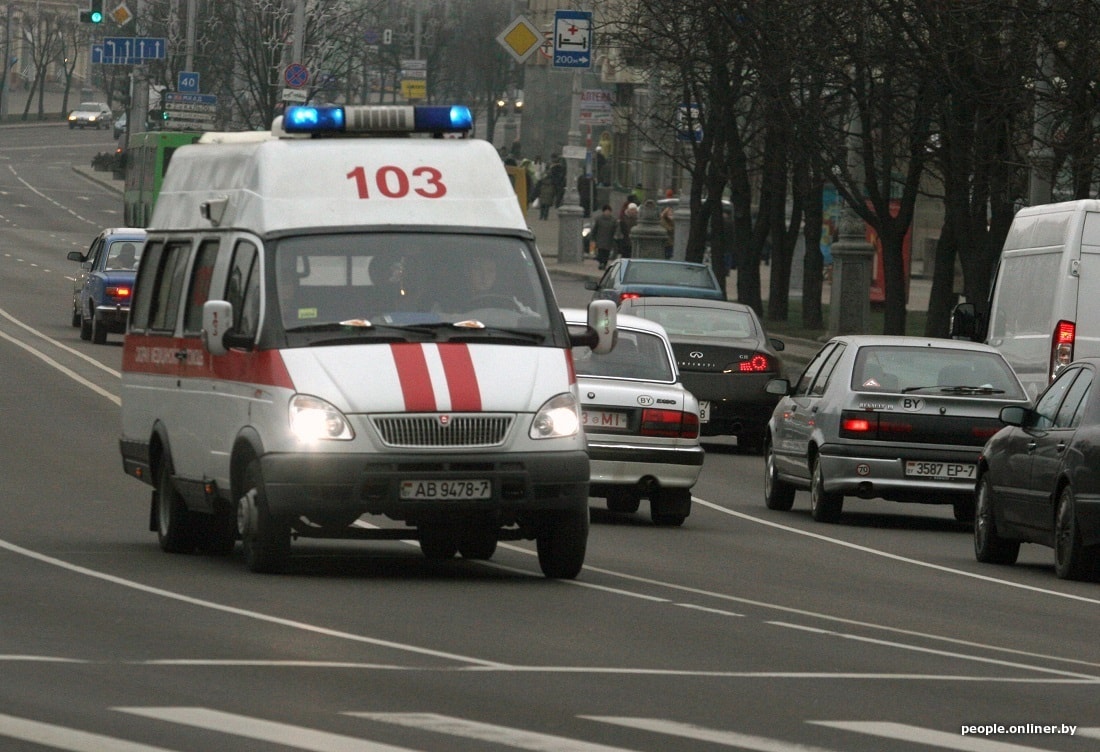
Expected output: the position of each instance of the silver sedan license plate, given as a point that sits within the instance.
(940, 470)
(446, 489)
(605, 419)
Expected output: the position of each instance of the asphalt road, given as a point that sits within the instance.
(745, 629)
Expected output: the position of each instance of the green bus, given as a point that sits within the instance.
(147, 157)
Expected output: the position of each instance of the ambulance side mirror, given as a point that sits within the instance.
(601, 333)
(217, 317)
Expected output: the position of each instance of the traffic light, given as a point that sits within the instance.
(94, 14)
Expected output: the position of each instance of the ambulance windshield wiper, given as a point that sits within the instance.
(466, 330)
(356, 329)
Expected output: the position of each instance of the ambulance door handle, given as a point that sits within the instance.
(181, 355)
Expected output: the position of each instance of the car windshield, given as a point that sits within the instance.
(636, 355)
(385, 280)
(668, 273)
(699, 321)
(931, 370)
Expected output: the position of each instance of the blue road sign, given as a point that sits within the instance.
(572, 39)
(129, 50)
(188, 82)
(296, 75)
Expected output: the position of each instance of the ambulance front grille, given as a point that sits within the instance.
(443, 430)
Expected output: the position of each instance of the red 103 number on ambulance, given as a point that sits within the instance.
(391, 181)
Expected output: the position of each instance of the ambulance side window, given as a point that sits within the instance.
(200, 287)
(243, 289)
(146, 284)
(168, 288)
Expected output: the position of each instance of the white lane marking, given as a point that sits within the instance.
(59, 737)
(487, 732)
(282, 734)
(60, 345)
(927, 737)
(719, 611)
(897, 557)
(245, 613)
(43, 196)
(932, 651)
(703, 734)
(1089, 732)
(68, 372)
(37, 659)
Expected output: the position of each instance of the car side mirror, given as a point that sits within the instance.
(75, 256)
(777, 344)
(1015, 415)
(591, 284)
(782, 387)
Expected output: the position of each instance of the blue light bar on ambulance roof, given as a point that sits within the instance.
(378, 119)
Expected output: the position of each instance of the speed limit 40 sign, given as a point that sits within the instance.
(188, 82)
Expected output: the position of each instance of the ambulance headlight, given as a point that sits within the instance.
(559, 417)
(313, 419)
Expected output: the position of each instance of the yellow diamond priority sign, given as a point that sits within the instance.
(521, 38)
(121, 14)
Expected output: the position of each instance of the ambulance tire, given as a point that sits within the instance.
(437, 542)
(562, 543)
(265, 538)
(477, 542)
(177, 526)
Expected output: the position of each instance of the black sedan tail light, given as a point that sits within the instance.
(758, 363)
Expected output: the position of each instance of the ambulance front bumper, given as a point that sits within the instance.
(327, 484)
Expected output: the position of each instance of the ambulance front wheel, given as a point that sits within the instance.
(264, 537)
(562, 543)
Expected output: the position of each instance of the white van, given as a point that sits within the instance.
(347, 324)
(1045, 302)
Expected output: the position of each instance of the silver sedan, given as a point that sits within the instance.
(642, 425)
(896, 418)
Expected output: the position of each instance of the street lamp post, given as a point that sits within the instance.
(570, 213)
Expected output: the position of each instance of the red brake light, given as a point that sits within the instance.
(1061, 351)
(1066, 332)
(629, 296)
(670, 423)
(118, 292)
(856, 425)
(758, 363)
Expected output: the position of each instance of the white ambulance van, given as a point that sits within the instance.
(1045, 303)
(344, 318)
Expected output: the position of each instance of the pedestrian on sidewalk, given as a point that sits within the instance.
(603, 235)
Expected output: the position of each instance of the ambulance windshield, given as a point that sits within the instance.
(427, 282)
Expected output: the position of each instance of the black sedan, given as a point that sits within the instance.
(725, 359)
(1038, 479)
(627, 278)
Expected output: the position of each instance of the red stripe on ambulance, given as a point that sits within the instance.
(461, 378)
(415, 376)
(412, 372)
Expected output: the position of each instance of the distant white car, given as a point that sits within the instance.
(91, 115)
(641, 424)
